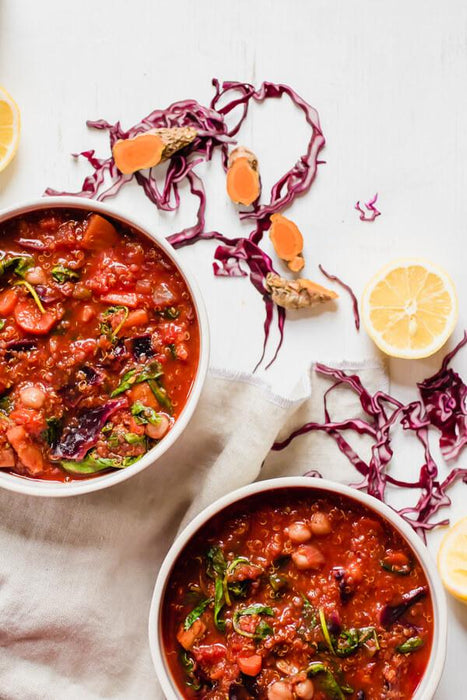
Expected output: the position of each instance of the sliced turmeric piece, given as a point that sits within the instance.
(151, 148)
(287, 241)
(243, 183)
(297, 294)
(99, 233)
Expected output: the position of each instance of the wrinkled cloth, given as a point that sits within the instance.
(77, 574)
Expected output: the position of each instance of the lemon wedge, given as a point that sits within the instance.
(10, 126)
(452, 560)
(409, 308)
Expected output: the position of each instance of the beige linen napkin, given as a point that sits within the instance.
(77, 574)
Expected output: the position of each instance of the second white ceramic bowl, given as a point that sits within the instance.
(429, 683)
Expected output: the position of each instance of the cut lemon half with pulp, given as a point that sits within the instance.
(10, 124)
(452, 560)
(409, 308)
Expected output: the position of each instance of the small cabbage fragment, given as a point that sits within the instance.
(82, 432)
(349, 290)
(371, 212)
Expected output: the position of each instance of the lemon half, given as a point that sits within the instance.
(452, 560)
(10, 126)
(409, 308)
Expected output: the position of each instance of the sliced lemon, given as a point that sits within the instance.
(409, 308)
(452, 560)
(10, 126)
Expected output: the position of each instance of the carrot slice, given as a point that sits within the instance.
(138, 317)
(138, 153)
(142, 392)
(30, 319)
(99, 233)
(243, 183)
(287, 241)
(250, 665)
(8, 300)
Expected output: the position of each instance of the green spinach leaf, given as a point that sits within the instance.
(17, 264)
(144, 414)
(196, 613)
(262, 629)
(62, 274)
(218, 605)
(327, 682)
(410, 645)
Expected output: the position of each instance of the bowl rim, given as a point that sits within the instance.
(433, 672)
(37, 487)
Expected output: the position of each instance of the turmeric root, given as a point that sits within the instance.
(287, 241)
(243, 183)
(297, 294)
(151, 148)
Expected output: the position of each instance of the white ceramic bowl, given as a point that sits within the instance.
(36, 487)
(429, 683)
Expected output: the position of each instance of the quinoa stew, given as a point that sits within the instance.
(99, 344)
(297, 595)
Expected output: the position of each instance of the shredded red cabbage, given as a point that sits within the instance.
(444, 397)
(82, 433)
(350, 291)
(212, 133)
(371, 212)
(442, 405)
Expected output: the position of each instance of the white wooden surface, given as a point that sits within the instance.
(389, 81)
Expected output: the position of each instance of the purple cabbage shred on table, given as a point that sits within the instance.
(213, 133)
(371, 212)
(349, 290)
(441, 406)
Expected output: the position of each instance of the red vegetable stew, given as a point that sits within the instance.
(301, 595)
(99, 344)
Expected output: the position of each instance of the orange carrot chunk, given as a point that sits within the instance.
(250, 665)
(8, 300)
(99, 233)
(142, 392)
(138, 317)
(243, 183)
(287, 241)
(138, 153)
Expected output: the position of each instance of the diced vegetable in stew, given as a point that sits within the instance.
(99, 345)
(283, 596)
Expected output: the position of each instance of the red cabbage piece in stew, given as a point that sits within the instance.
(99, 344)
(295, 594)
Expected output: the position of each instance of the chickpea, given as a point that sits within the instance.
(36, 275)
(320, 524)
(299, 532)
(156, 432)
(280, 690)
(87, 313)
(307, 557)
(32, 397)
(305, 689)
(354, 572)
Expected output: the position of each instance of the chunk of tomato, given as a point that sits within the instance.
(99, 234)
(31, 320)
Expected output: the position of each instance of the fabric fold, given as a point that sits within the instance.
(77, 574)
